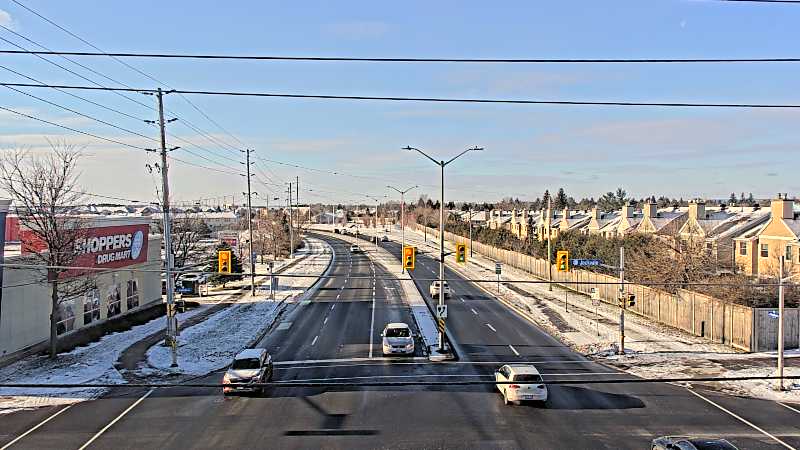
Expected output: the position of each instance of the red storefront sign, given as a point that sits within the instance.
(101, 247)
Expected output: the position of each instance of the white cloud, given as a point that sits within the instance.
(6, 20)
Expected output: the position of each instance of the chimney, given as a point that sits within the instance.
(697, 210)
(627, 210)
(650, 209)
(781, 207)
(595, 213)
(514, 215)
(566, 212)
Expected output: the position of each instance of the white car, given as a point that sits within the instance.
(355, 248)
(252, 365)
(520, 382)
(397, 338)
(435, 289)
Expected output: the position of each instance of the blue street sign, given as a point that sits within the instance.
(773, 314)
(585, 262)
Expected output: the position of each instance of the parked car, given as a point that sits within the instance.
(355, 248)
(434, 290)
(337, 231)
(691, 443)
(397, 338)
(520, 382)
(252, 365)
(384, 238)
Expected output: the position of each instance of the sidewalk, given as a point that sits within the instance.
(652, 350)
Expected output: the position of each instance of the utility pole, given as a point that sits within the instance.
(402, 220)
(442, 164)
(470, 232)
(250, 225)
(291, 226)
(549, 250)
(622, 301)
(297, 200)
(172, 321)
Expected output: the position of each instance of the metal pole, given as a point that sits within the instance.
(171, 319)
(441, 256)
(4, 204)
(549, 250)
(291, 227)
(621, 300)
(402, 229)
(250, 228)
(780, 322)
(470, 233)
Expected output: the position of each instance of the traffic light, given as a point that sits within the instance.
(461, 253)
(627, 300)
(562, 261)
(224, 261)
(409, 257)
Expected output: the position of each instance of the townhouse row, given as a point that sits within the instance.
(744, 239)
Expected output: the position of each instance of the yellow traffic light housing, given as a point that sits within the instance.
(224, 261)
(461, 253)
(562, 261)
(409, 257)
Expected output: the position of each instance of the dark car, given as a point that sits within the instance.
(691, 443)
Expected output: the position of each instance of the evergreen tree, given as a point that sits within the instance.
(750, 200)
(561, 199)
(732, 200)
(546, 199)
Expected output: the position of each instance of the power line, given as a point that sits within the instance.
(437, 60)
(72, 129)
(438, 99)
(204, 167)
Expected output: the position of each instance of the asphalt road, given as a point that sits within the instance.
(329, 338)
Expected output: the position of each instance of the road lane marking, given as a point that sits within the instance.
(743, 420)
(284, 326)
(513, 349)
(473, 311)
(325, 321)
(116, 419)
(333, 306)
(36, 427)
(372, 326)
(338, 295)
(491, 327)
(782, 404)
(315, 340)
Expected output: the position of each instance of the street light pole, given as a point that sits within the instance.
(442, 164)
(402, 220)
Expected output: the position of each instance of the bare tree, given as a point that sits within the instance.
(187, 231)
(44, 191)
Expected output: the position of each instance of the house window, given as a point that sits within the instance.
(114, 300)
(743, 248)
(91, 306)
(789, 253)
(764, 251)
(133, 294)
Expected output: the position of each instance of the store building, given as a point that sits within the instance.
(122, 247)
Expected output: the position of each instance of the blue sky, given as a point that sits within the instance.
(587, 150)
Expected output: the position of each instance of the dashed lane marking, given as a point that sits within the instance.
(491, 327)
(473, 311)
(513, 349)
(315, 340)
(325, 321)
(284, 326)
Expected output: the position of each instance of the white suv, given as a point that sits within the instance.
(435, 289)
(252, 365)
(397, 338)
(520, 382)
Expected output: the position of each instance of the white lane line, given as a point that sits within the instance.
(36, 427)
(782, 404)
(116, 419)
(513, 349)
(333, 306)
(491, 327)
(741, 419)
(473, 311)
(337, 296)
(325, 321)
(372, 327)
(462, 300)
(315, 340)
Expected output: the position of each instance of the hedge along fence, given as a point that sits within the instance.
(695, 313)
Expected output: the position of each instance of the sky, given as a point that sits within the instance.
(353, 149)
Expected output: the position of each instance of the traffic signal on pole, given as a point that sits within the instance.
(562, 261)
(461, 253)
(409, 257)
(627, 300)
(224, 261)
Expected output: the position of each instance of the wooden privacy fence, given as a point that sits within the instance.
(742, 327)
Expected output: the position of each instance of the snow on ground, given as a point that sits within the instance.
(652, 350)
(93, 363)
(212, 344)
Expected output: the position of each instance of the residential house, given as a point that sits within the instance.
(664, 222)
(602, 223)
(629, 220)
(574, 220)
(780, 236)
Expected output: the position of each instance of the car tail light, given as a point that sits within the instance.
(539, 386)
(513, 386)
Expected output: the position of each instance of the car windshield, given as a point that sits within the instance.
(711, 444)
(397, 332)
(528, 378)
(244, 364)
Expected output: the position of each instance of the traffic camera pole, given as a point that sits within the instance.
(291, 231)
(402, 220)
(172, 324)
(621, 300)
(780, 322)
(250, 227)
(549, 249)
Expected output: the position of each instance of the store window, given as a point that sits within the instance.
(764, 251)
(114, 300)
(132, 296)
(65, 316)
(91, 306)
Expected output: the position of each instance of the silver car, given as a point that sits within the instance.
(398, 339)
